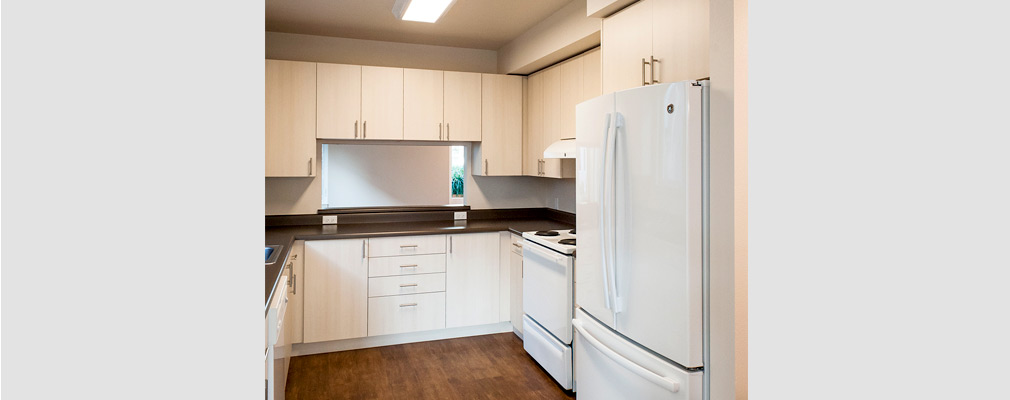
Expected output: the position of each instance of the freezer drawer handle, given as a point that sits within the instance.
(662, 381)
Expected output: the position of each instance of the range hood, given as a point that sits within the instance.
(564, 148)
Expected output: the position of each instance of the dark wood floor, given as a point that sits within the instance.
(478, 367)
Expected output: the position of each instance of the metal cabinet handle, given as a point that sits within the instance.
(291, 269)
(450, 244)
(409, 266)
(364, 129)
(363, 248)
(310, 166)
(403, 246)
(485, 166)
(294, 256)
(355, 129)
(408, 304)
(644, 63)
(652, 69)
(294, 287)
(446, 131)
(518, 245)
(439, 131)
(408, 284)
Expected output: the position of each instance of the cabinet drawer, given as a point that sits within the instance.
(407, 313)
(407, 284)
(517, 244)
(406, 245)
(406, 265)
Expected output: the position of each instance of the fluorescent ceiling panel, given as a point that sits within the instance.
(421, 10)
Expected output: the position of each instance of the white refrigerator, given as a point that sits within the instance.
(638, 285)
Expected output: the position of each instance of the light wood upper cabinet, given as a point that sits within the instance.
(381, 103)
(500, 150)
(290, 118)
(592, 74)
(571, 94)
(422, 104)
(671, 36)
(472, 281)
(680, 39)
(627, 41)
(336, 290)
(462, 114)
(338, 101)
(534, 135)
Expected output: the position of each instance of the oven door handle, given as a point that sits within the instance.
(542, 252)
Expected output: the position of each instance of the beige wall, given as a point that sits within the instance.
(289, 46)
(565, 33)
(728, 285)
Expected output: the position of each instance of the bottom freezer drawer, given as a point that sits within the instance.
(610, 367)
(548, 351)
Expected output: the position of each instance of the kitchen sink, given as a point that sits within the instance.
(272, 252)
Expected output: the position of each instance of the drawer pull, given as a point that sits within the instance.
(408, 305)
(519, 245)
(407, 284)
(404, 246)
(409, 266)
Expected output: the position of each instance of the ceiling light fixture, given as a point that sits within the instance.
(421, 10)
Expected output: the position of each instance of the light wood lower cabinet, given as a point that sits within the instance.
(471, 286)
(406, 245)
(516, 273)
(406, 265)
(296, 299)
(336, 284)
(406, 284)
(408, 313)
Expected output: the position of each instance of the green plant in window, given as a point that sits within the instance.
(457, 181)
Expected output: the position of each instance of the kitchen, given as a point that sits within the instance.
(854, 244)
(424, 170)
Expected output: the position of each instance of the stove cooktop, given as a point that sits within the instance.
(561, 241)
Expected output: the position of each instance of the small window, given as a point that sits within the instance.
(456, 174)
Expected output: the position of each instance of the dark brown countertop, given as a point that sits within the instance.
(286, 235)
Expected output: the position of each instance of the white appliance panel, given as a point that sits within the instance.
(657, 165)
(593, 125)
(609, 367)
(547, 289)
(554, 356)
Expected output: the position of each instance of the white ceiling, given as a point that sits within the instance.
(479, 24)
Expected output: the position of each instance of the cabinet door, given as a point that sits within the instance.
(422, 105)
(462, 114)
(534, 136)
(500, 149)
(336, 290)
(296, 297)
(680, 39)
(571, 94)
(290, 118)
(516, 274)
(552, 167)
(338, 101)
(382, 103)
(471, 280)
(627, 39)
(592, 78)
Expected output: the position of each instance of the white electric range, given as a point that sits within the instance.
(548, 301)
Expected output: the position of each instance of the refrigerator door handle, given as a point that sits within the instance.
(603, 213)
(665, 382)
(611, 244)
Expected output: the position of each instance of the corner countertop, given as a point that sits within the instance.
(286, 235)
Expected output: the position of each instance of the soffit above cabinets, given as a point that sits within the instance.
(478, 24)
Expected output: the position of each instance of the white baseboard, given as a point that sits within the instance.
(301, 349)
